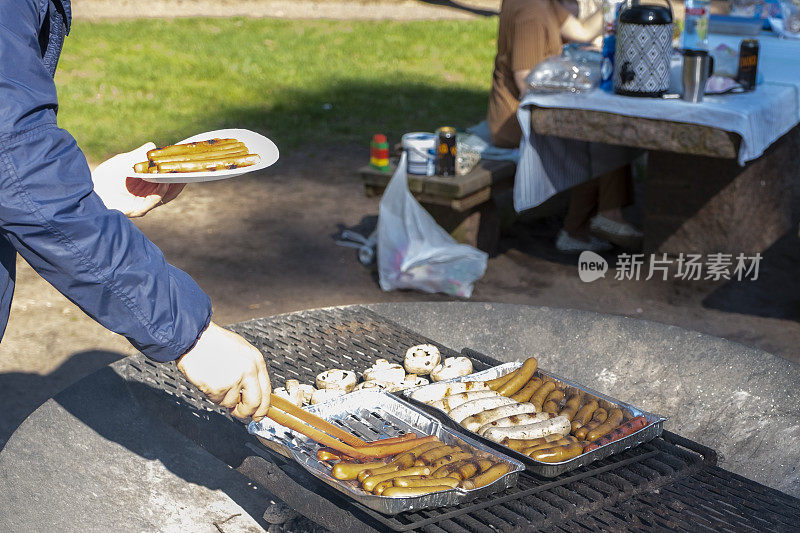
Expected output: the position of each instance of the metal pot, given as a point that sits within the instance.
(644, 49)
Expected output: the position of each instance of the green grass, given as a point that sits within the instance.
(303, 83)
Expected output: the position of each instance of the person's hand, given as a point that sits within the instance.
(133, 196)
(230, 371)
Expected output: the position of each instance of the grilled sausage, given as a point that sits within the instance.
(422, 481)
(466, 469)
(223, 163)
(521, 444)
(450, 459)
(490, 476)
(523, 375)
(385, 469)
(450, 469)
(557, 453)
(559, 424)
(571, 407)
(584, 414)
(383, 485)
(631, 426)
(345, 470)
(515, 420)
(449, 403)
(555, 396)
(410, 492)
(598, 418)
(371, 481)
(188, 148)
(437, 391)
(474, 422)
(525, 393)
(142, 168)
(560, 442)
(376, 449)
(550, 407)
(498, 382)
(539, 396)
(224, 151)
(326, 454)
(474, 407)
(436, 454)
(614, 419)
(414, 453)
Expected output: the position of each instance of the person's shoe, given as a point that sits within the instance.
(620, 233)
(566, 243)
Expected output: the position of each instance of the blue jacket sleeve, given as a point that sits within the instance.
(94, 256)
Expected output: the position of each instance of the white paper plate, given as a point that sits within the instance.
(256, 143)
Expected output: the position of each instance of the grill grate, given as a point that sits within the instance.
(301, 345)
(669, 483)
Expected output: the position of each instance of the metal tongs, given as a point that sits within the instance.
(320, 430)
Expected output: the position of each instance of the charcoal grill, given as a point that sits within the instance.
(670, 483)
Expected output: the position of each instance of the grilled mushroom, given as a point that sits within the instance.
(412, 380)
(337, 379)
(294, 397)
(383, 370)
(421, 359)
(323, 395)
(306, 392)
(452, 367)
(374, 385)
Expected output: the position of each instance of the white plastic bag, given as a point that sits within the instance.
(414, 252)
(575, 72)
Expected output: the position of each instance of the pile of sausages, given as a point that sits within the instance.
(530, 414)
(432, 466)
(210, 155)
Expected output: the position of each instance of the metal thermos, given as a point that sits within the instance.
(644, 50)
(698, 66)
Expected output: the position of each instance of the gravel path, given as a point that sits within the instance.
(295, 9)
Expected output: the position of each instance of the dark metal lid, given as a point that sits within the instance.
(646, 14)
(694, 53)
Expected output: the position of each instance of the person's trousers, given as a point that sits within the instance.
(611, 190)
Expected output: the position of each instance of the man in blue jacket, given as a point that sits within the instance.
(51, 215)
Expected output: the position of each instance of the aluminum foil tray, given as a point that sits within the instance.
(373, 415)
(653, 429)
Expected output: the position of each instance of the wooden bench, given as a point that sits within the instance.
(463, 205)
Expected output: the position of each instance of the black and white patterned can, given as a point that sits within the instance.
(644, 50)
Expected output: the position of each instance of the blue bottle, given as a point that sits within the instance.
(611, 10)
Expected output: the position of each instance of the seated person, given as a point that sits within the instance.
(530, 31)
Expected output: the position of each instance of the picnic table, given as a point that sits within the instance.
(135, 447)
(719, 173)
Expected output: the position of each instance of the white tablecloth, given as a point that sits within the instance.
(549, 165)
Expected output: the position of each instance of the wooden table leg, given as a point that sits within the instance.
(478, 227)
(697, 204)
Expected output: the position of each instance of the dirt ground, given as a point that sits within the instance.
(265, 244)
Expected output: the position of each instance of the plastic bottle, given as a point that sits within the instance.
(695, 25)
(611, 9)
